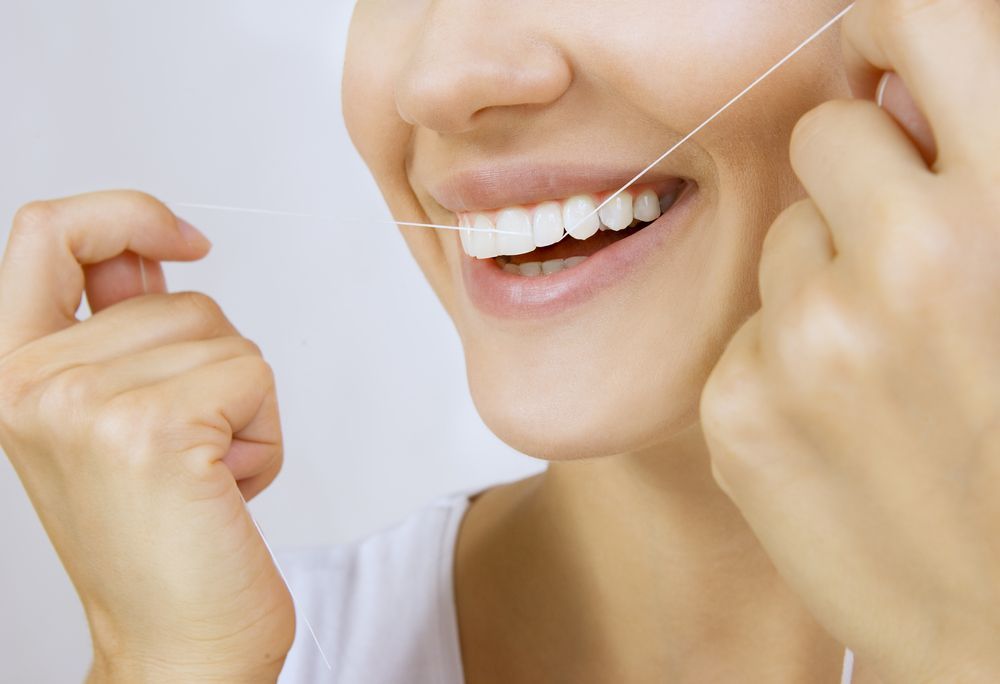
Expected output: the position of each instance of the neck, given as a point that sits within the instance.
(633, 568)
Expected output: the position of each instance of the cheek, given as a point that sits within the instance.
(628, 373)
(380, 136)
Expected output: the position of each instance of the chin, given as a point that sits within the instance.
(578, 418)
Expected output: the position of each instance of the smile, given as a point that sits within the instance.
(550, 236)
(512, 277)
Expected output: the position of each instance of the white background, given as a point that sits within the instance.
(239, 104)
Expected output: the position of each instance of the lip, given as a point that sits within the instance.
(506, 295)
(494, 187)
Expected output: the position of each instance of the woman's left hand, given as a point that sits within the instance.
(855, 419)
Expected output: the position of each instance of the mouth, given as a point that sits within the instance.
(546, 238)
(537, 249)
(510, 278)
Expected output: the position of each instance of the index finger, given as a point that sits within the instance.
(42, 276)
(948, 54)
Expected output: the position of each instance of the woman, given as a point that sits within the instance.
(771, 413)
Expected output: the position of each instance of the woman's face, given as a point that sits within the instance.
(524, 115)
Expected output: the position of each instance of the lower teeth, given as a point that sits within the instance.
(537, 268)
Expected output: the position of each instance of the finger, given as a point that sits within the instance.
(162, 363)
(130, 327)
(947, 52)
(252, 486)
(748, 440)
(213, 405)
(123, 277)
(796, 248)
(248, 460)
(854, 161)
(41, 276)
(894, 97)
(259, 449)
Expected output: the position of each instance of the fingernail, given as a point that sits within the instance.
(192, 235)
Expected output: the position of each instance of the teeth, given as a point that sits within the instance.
(548, 225)
(483, 243)
(466, 236)
(617, 214)
(517, 230)
(532, 268)
(553, 266)
(647, 206)
(667, 201)
(573, 212)
(514, 221)
(538, 268)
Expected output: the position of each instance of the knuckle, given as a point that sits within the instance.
(68, 394)
(144, 203)
(246, 347)
(893, 208)
(816, 124)
(894, 13)
(17, 386)
(914, 262)
(787, 222)
(815, 339)
(113, 425)
(15, 383)
(33, 215)
(728, 397)
(200, 309)
(125, 429)
(260, 370)
(738, 417)
(780, 225)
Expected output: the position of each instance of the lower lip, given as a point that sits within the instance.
(506, 295)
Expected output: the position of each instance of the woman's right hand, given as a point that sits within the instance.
(135, 432)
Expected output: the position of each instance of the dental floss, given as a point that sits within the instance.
(293, 214)
(882, 84)
(847, 672)
(295, 602)
(145, 290)
(566, 231)
(823, 29)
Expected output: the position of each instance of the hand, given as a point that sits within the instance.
(855, 419)
(134, 433)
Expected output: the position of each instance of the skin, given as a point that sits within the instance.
(547, 570)
(422, 108)
(799, 447)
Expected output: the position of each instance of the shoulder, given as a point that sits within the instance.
(382, 607)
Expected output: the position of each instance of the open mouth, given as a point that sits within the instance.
(532, 241)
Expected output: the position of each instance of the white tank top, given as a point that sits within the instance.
(383, 607)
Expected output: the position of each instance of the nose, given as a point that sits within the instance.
(467, 60)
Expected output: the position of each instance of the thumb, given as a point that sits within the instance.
(894, 97)
(122, 277)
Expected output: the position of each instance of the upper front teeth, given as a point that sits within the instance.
(523, 230)
(514, 221)
(647, 206)
(579, 218)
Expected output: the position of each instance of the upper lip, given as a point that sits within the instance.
(485, 188)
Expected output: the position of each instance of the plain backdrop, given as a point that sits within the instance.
(238, 103)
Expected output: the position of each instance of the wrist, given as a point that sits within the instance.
(121, 669)
(158, 659)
